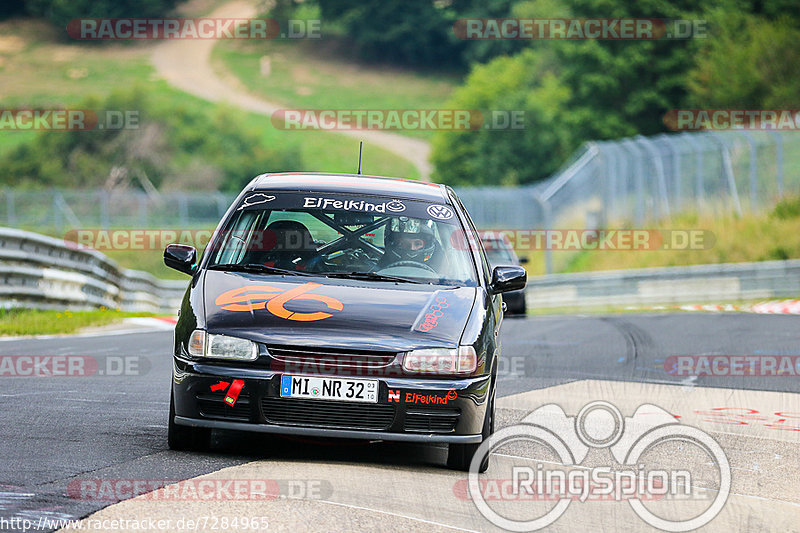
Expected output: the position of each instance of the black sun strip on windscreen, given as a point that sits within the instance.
(331, 202)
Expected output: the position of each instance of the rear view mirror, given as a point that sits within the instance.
(180, 257)
(352, 219)
(508, 278)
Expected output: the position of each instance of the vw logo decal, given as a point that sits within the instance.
(440, 212)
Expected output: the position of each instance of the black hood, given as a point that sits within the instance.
(335, 313)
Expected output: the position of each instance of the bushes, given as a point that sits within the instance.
(511, 156)
(60, 12)
(413, 32)
(184, 144)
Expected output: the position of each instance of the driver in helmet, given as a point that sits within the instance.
(410, 239)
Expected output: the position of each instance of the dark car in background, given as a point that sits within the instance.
(500, 252)
(340, 306)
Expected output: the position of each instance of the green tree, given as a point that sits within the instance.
(10, 8)
(572, 91)
(60, 12)
(415, 32)
(749, 61)
(485, 156)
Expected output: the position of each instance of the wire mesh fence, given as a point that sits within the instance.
(623, 183)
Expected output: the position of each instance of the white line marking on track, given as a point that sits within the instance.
(29, 394)
(396, 514)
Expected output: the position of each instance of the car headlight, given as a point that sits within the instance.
(461, 360)
(203, 344)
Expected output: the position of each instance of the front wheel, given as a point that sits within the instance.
(459, 456)
(186, 438)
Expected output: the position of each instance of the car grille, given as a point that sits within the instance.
(431, 420)
(217, 408)
(328, 357)
(328, 414)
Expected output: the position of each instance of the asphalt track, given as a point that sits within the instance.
(56, 432)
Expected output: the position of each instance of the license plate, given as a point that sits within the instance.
(319, 388)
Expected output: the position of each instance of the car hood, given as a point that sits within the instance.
(335, 313)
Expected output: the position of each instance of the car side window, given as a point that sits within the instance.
(475, 239)
(237, 239)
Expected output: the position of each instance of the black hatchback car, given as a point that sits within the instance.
(340, 306)
(499, 251)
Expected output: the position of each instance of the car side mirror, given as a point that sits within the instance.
(508, 278)
(523, 260)
(181, 257)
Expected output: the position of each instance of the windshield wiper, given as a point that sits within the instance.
(257, 268)
(372, 276)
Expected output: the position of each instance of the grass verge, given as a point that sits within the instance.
(38, 322)
(311, 74)
(770, 236)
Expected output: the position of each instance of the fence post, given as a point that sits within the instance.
(676, 171)
(547, 217)
(728, 168)
(753, 170)
(143, 209)
(104, 219)
(610, 184)
(659, 164)
(778, 161)
(638, 179)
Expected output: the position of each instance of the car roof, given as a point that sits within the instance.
(496, 240)
(351, 184)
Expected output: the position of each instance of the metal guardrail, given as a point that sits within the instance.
(46, 273)
(719, 283)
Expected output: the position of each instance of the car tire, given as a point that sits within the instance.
(459, 456)
(186, 438)
(521, 310)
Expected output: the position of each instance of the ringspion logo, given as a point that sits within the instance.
(632, 442)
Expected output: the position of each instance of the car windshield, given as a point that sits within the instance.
(366, 237)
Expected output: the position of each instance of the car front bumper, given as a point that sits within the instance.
(417, 410)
